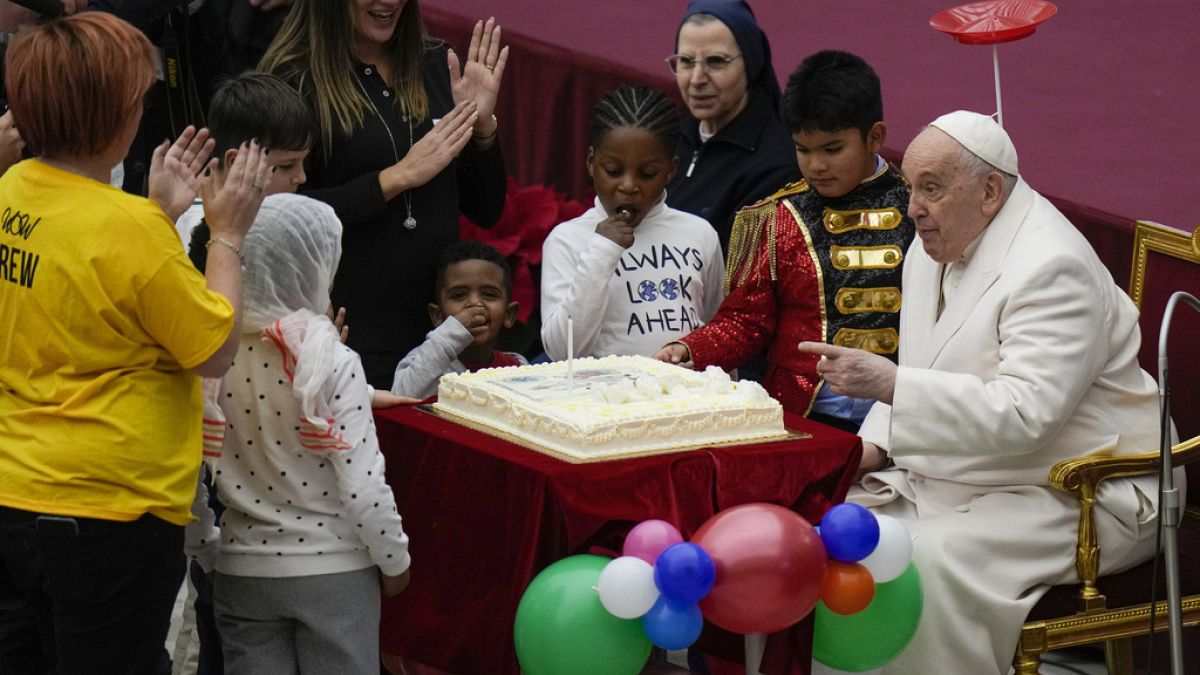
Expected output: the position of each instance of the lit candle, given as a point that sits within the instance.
(570, 352)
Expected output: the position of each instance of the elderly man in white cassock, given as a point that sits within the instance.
(1017, 351)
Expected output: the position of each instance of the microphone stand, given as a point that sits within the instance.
(1169, 513)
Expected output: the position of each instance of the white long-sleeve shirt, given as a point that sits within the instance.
(290, 511)
(629, 301)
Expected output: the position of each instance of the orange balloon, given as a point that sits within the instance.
(848, 587)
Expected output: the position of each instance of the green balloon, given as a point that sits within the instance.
(562, 629)
(874, 636)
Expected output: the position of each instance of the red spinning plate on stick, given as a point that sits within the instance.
(993, 22)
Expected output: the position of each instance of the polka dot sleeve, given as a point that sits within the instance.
(366, 498)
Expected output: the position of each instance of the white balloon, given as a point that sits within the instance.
(819, 668)
(627, 588)
(893, 553)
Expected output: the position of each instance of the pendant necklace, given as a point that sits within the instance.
(410, 223)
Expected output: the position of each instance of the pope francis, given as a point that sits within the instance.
(1017, 351)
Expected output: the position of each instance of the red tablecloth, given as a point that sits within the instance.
(485, 516)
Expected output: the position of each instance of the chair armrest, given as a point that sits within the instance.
(1081, 477)
(1071, 475)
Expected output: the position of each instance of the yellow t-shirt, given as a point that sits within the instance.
(101, 316)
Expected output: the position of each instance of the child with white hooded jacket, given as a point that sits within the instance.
(310, 529)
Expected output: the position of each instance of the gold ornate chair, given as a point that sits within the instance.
(1164, 260)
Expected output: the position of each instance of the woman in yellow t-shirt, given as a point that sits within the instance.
(104, 329)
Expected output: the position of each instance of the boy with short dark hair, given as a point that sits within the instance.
(820, 259)
(252, 106)
(472, 302)
(262, 107)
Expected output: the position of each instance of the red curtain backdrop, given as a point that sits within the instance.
(1101, 101)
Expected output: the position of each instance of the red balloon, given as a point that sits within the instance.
(770, 564)
(848, 588)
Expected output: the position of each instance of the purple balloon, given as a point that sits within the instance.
(684, 573)
(850, 532)
(649, 538)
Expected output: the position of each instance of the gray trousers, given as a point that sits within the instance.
(327, 623)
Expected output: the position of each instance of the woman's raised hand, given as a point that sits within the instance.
(479, 78)
(231, 201)
(174, 170)
(432, 153)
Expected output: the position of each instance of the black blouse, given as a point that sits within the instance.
(748, 159)
(386, 276)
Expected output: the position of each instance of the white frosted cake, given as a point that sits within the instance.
(611, 407)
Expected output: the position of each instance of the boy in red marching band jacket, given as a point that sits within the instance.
(820, 259)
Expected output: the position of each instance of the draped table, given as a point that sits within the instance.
(485, 516)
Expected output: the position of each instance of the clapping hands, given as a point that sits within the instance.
(231, 201)
(175, 168)
(478, 80)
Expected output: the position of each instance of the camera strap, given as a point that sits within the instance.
(183, 99)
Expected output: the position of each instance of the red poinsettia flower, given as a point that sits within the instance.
(529, 214)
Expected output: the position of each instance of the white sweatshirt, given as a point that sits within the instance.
(629, 301)
(290, 511)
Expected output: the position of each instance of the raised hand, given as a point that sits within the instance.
(478, 80)
(174, 170)
(231, 203)
(432, 153)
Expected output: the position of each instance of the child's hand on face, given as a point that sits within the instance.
(617, 228)
(474, 318)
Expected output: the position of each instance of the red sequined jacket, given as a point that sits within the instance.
(802, 267)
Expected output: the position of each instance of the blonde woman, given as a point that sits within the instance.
(407, 140)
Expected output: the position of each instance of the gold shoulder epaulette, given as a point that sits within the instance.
(749, 224)
(790, 189)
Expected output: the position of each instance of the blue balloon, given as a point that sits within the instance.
(850, 532)
(673, 625)
(684, 572)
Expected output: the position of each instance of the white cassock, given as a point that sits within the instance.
(1032, 361)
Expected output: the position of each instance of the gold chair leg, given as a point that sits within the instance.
(1118, 656)
(1027, 664)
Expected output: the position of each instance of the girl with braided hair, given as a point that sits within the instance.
(631, 273)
